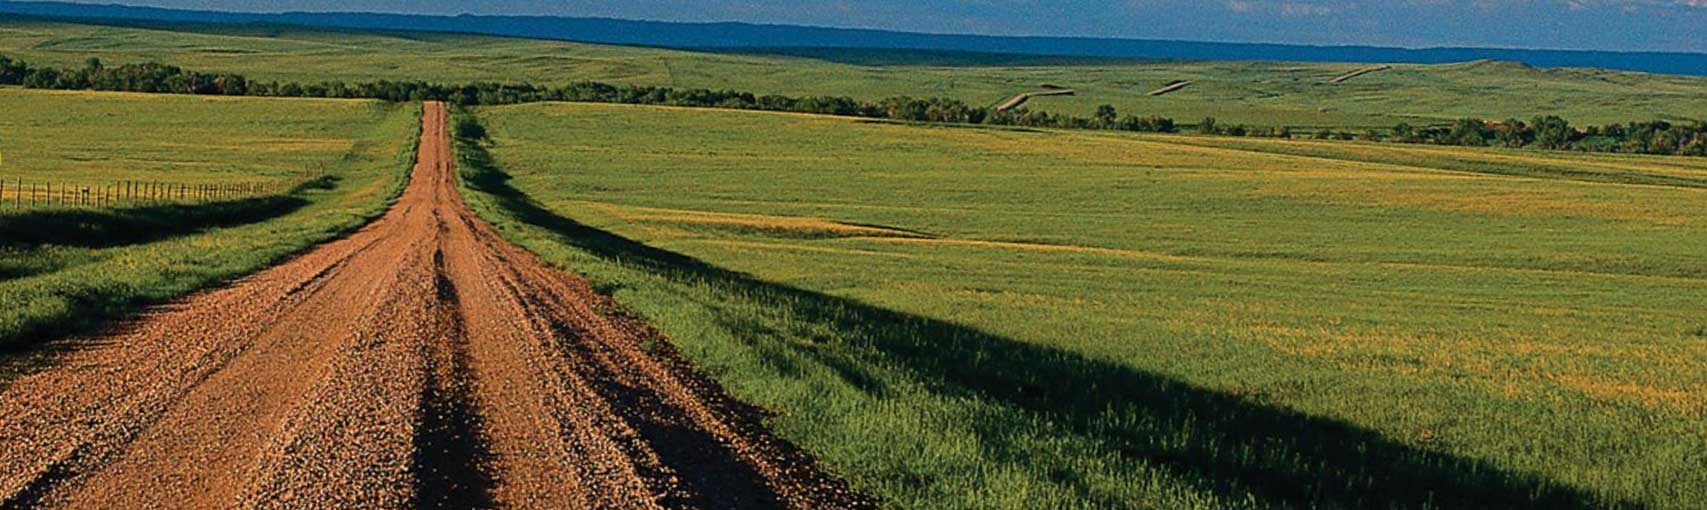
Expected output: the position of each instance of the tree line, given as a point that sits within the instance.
(1655, 137)
(1548, 132)
(162, 78)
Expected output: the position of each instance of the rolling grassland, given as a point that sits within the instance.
(332, 164)
(1254, 93)
(989, 318)
(94, 137)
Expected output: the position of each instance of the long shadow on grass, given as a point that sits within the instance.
(27, 237)
(1225, 444)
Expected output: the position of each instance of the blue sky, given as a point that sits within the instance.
(1668, 25)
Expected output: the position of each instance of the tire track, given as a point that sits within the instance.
(421, 362)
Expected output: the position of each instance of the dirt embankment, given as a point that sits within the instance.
(421, 362)
(1171, 87)
(1360, 72)
(1021, 99)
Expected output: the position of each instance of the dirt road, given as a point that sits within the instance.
(421, 362)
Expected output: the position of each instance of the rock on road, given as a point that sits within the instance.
(421, 362)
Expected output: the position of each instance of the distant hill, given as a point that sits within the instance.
(769, 38)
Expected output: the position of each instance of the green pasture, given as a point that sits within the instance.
(1000, 318)
(94, 138)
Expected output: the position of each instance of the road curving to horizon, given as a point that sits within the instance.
(421, 362)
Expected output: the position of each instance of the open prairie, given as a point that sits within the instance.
(1255, 93)
(95, 137)
(986, 318)
(416, 302)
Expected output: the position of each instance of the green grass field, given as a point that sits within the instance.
(93, 138)
(68, 270)
(984, 318)
(1263, 94)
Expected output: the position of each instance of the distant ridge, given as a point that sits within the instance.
(740, 36)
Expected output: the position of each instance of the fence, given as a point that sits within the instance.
(19, 194)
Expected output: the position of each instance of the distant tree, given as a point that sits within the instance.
(1552, 132)
(1696, 146)
(1157, 124)
(232, 85)
(12, 72)
(1513, 133)
(1403, 132)
(1207, 126)
(41, 79)
(1467, 132)
(1034, 118)
(1105, 116)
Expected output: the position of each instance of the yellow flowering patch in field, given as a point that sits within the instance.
(1036, 247)
(1648, 396)
(1512, 364)
(807, 226)
(764, 246)
(1504, 200)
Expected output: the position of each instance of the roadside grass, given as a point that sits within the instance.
(68, 271)
(1080, 320)
(1255, 93)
